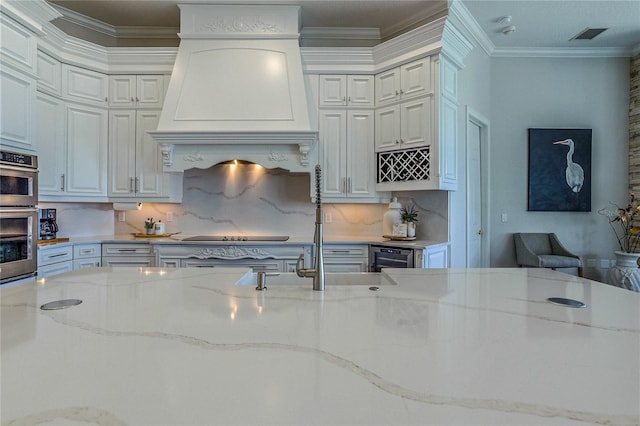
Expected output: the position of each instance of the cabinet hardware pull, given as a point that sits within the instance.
(349, 185)
(126, 250)
(397, 141)
(397, 93)
(57, 255)
(132, 99)
(338, 251)
(62, 182)
(137, 185)
(401, 91)
(106, 99)
(137, 99)
(130, 184)
(349, 99)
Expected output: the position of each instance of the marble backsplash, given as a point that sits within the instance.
(247, 199)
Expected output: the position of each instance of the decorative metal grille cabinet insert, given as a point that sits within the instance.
(404, 165)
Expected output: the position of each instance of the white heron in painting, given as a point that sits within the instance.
(574, 173)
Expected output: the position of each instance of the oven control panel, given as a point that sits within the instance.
(27, 160)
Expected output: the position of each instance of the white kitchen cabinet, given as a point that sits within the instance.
(49, 72)
(136, 91)
(404, 125)
(135, 162)
(346, 257)
(434, 256)
(85, 86)
(86, 134)
(54, 259)
(130, 255)
(17, 97)
(258, 265)
(267, 258)
(19, 45)
(51, 144)
(87, 255)
(403, 82)
(347, 157)
(425, 157)
(347, 90)
(72, 146)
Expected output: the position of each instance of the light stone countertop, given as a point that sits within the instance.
(293, 240)
(432, 346)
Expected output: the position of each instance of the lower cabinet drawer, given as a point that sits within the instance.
(258, 265)
(126, 250)
(138, 261)
(48, 256)
(87, 263)
(55, 268)
(85, 251)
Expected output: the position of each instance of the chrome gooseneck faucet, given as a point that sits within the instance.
(317, 272)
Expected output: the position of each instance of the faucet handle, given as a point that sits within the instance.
(300, 265)
(261, 280)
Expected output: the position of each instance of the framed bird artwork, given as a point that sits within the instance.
(559, 170)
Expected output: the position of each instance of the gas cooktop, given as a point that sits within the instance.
(237, 238)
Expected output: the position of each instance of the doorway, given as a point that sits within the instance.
(477, 189)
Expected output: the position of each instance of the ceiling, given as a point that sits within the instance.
(538, 23)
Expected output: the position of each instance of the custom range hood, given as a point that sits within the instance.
(237, 90)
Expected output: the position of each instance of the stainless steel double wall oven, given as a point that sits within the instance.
(18, 216)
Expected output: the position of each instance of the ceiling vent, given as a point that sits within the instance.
(589, 33)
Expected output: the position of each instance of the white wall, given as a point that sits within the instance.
(527, 93)
(474, 91)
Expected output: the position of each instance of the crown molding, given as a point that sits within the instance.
(124, 60)
(418, 42)
(32, 14)
(562, 52)
(464, 20)
(454, 44)
(350, 60)
(116, 32)
(85, 21)
(329, 33)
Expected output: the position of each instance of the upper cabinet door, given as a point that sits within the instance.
(150, 91)
(122, 91)
(405, 82)
(17, 96)
(82, 85)
(360, 90)
(136, 91)
(48, 70)
(333, 90)
(86, 150)
(415, 78)
(387, 86)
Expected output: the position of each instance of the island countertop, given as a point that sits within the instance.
(431, 346)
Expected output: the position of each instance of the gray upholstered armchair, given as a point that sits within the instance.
(543, 250)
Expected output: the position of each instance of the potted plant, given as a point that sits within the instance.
(625, 226)
(623, 222)
(409, 215)
(149, 225)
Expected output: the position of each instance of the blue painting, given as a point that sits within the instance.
(560, 170)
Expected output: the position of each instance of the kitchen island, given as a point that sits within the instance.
(202, 346)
